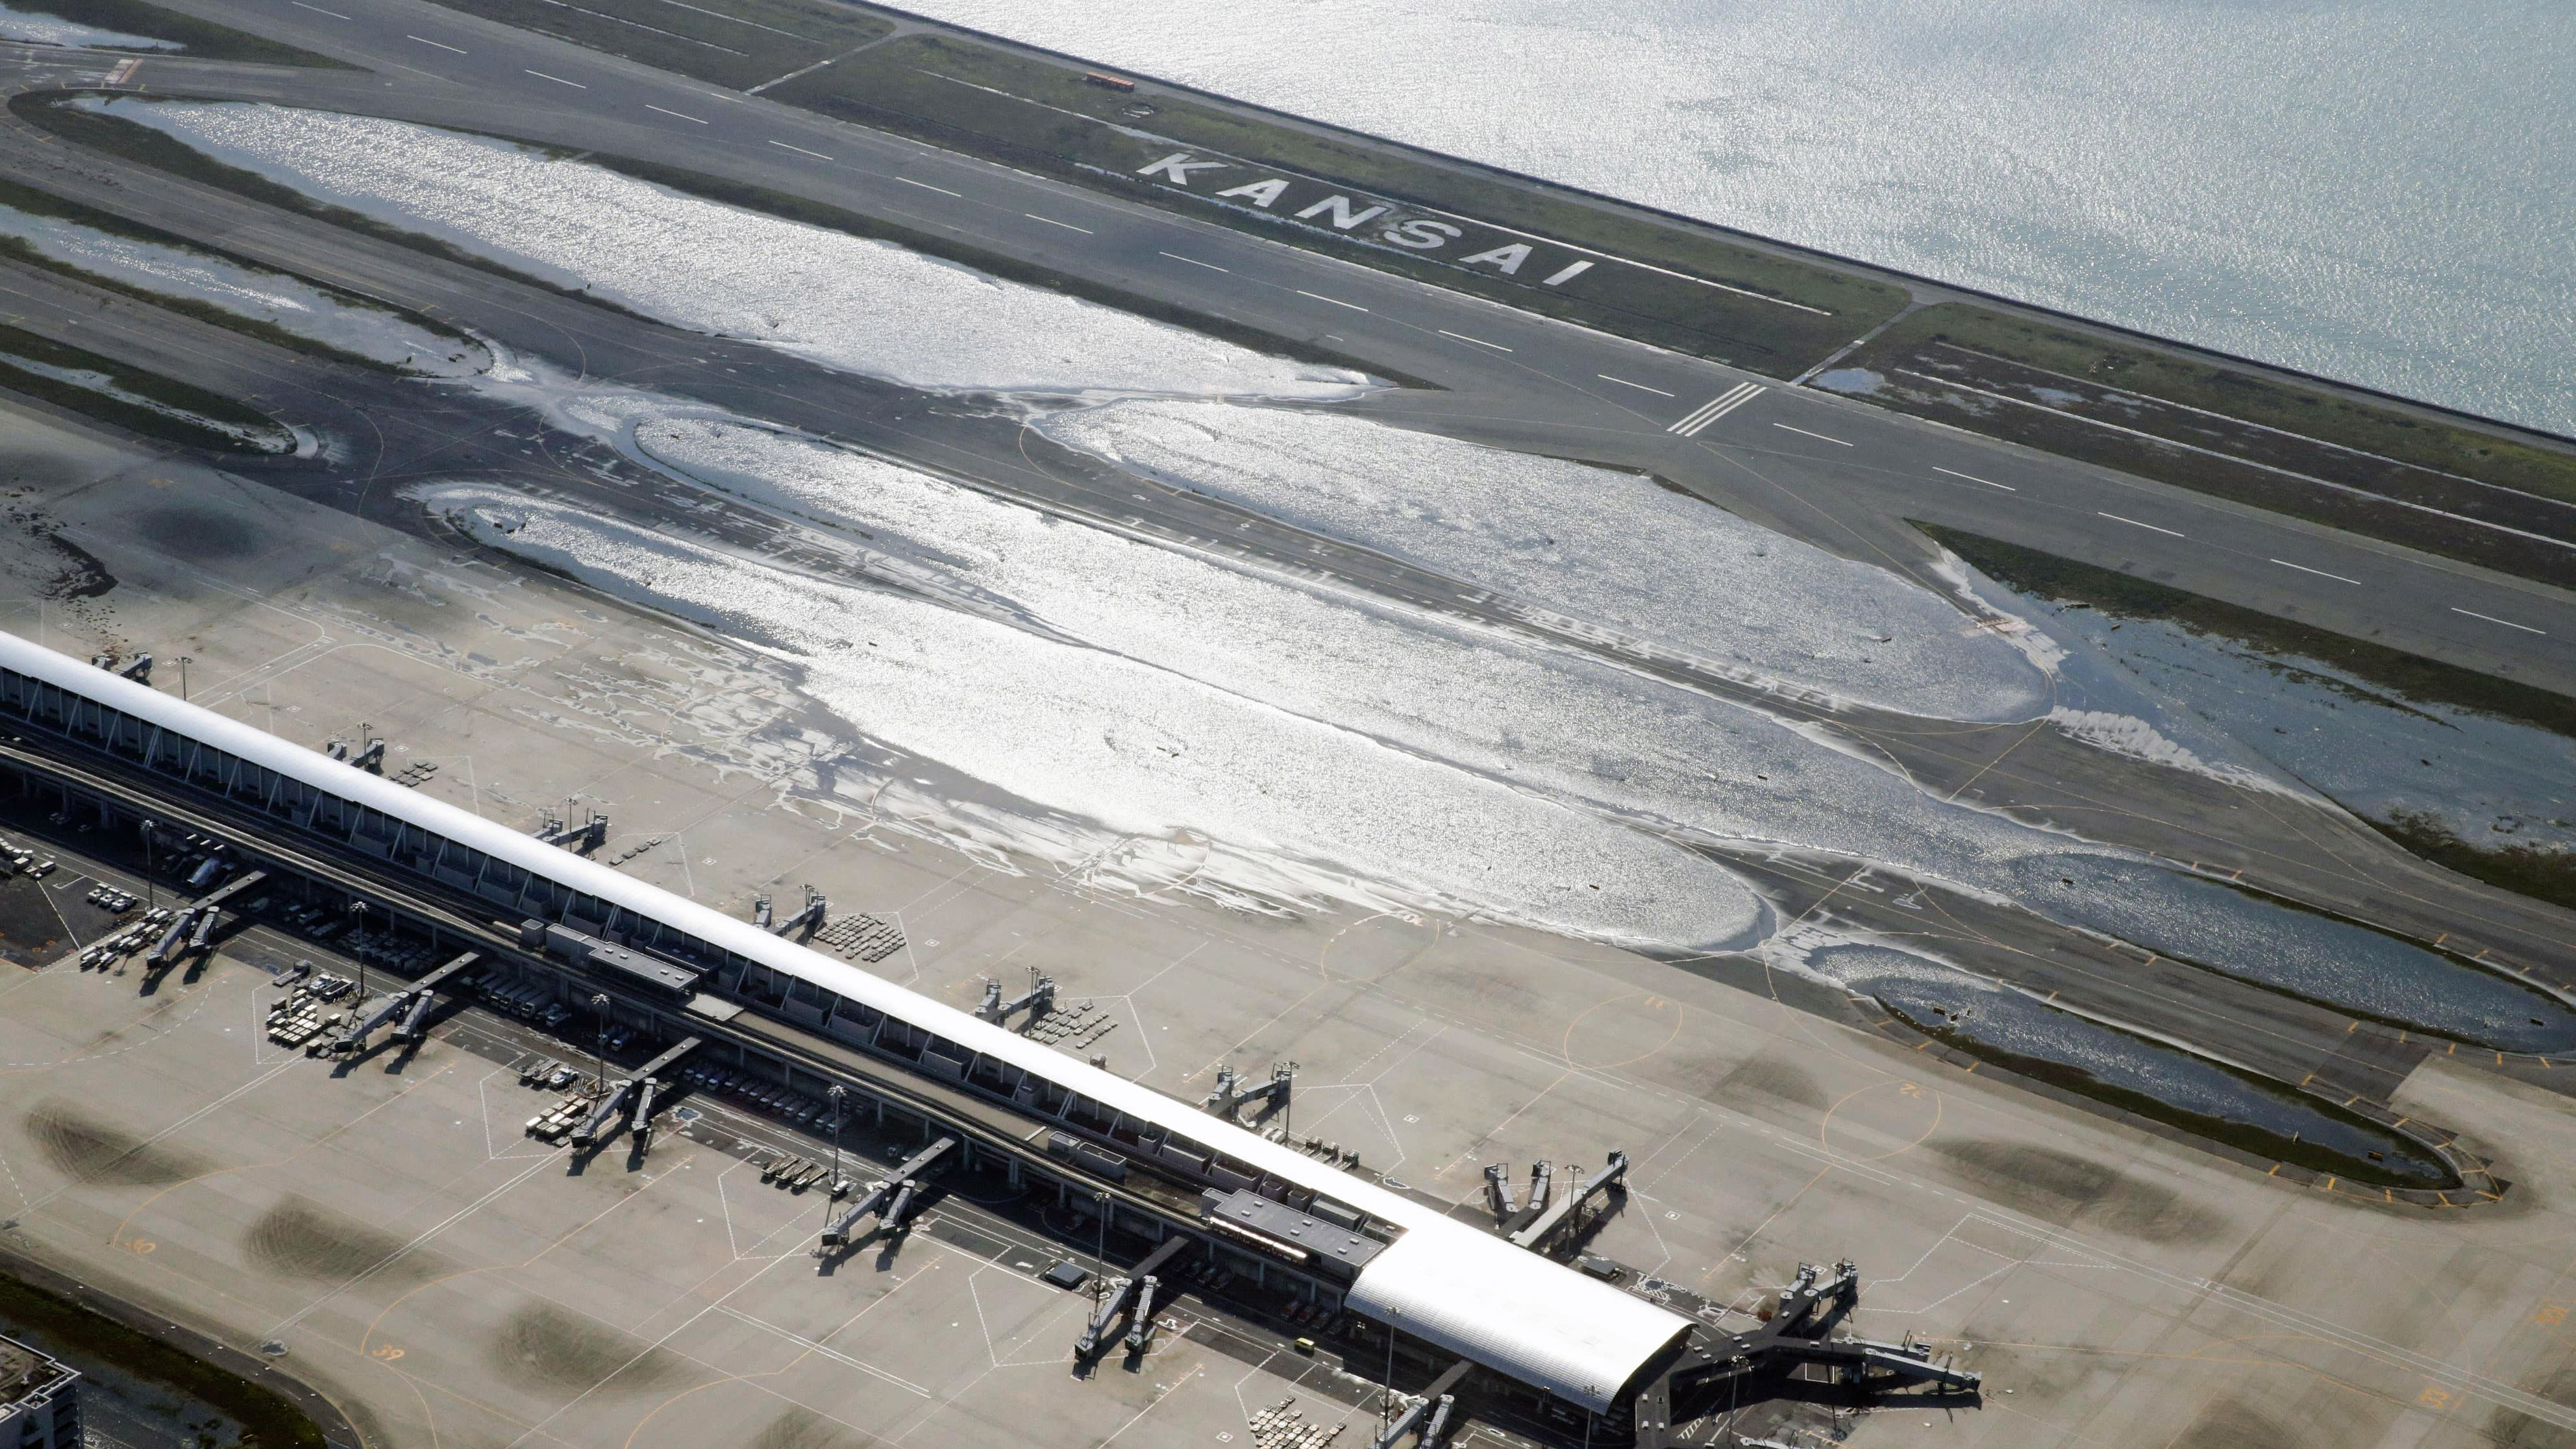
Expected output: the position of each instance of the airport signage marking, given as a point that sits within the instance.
(1320, 206)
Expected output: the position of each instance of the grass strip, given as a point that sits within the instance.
(736, 43)
(2539, 872)
(2411, 676)
(2236, 392)
(267, 1419)
(18, 347)
(44, 203)
(202, 39)
(2403, 1151)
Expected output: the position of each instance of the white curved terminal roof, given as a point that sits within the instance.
(1443, 1281)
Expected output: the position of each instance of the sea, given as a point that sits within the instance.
(2378, 191)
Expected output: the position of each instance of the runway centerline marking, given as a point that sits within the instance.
(683, 115)
(558, 80)
(1193, 261)
(2508, 623)
(2320, 573)
(316, 9)
(2133, 523)
(1479, 341)
(1973, 478)
(1692, 422)
(1336, 301)
(1819, 437)
(1051, 221)
(1639, 386)
(926, 186)
(799, 150)
(425, 40)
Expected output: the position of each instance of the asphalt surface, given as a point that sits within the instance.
(1838, 472)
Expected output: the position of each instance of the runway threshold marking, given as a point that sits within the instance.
(316, 9)
(799, 150)
(2508, 623)
(1336, 301)
(2320, 573)
(1639, 386)
(1819, 437)
(441, 44)
(1051, 221)
(558, 80)
(1193, 261)
(683, 115)
(1717, 407)
(926, 186)
(2133, 523)
(1973, 478)
(1479, 341)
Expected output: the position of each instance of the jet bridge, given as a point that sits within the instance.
(890, 1196)
(1553, 1218)
(1037, 1001)
(1797, 1338)
(1136, 1292)
(1232, 1096)
(1430, 1413)
(636, 1091)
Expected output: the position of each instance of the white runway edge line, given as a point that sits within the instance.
(1973, 478)
(1479, 341)
(683, 115)
(1819, 437)
(316, 9)
(1051, 221)
(1715, 408)
(799, 150)
(926, 186)
(2320, 573)
(2133, 523)
(425, 40)
(1639, 386)
(558, 80)
(1193, 261)
(1336, 301)
(2508, 623)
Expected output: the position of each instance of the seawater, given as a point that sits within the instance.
(2379, 190)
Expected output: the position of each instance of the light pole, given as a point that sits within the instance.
(358, 923)
(838, 1094)
(1103, 1254)
(183, 678)
(599, 1003)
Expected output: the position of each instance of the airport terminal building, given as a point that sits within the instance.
(1385, 1256)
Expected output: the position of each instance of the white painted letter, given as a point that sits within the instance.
(1259, 193)
(1508, 259)
(1420, 235)
(1340, 206)
(1568, 275)
(1178, 166)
